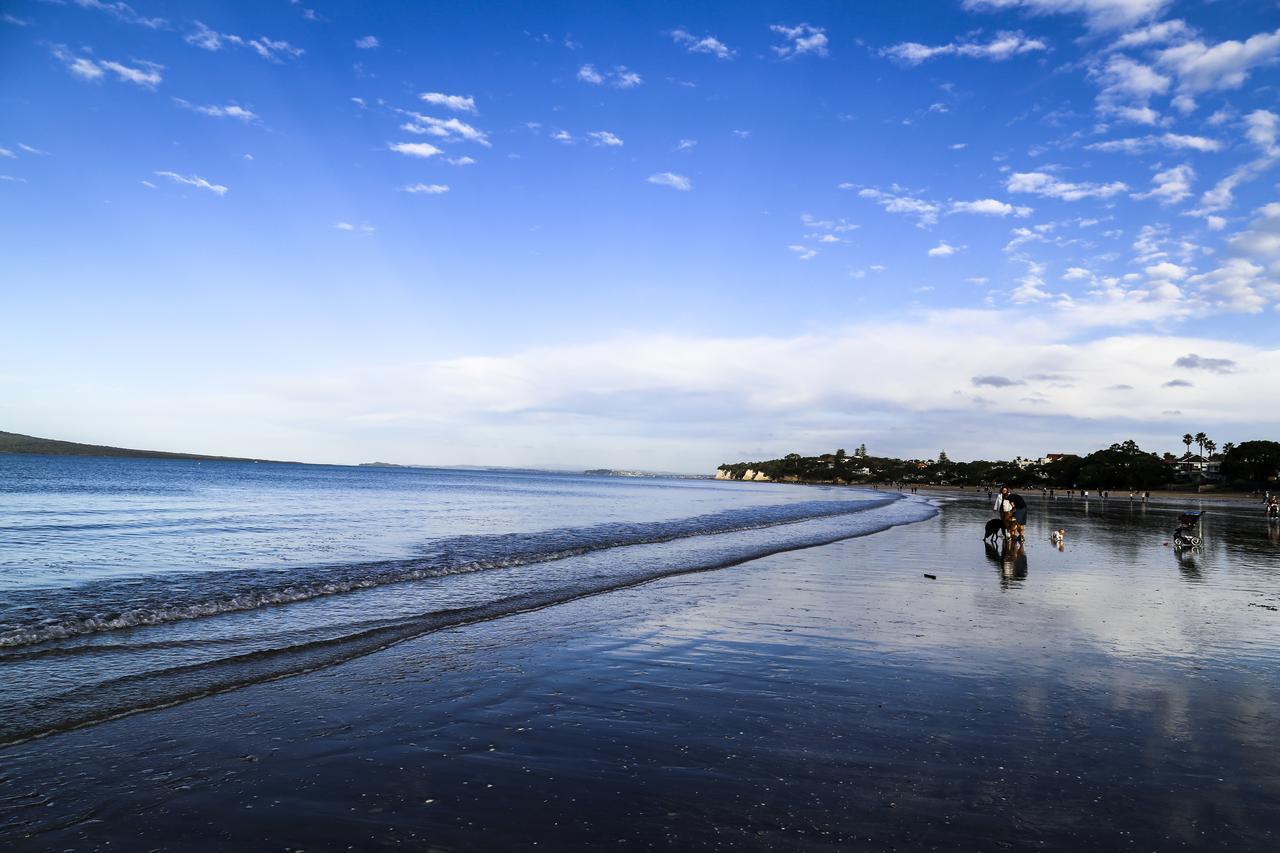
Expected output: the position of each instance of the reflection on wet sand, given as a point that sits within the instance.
(1011, 559)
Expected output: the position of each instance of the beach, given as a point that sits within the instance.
(1110, 694)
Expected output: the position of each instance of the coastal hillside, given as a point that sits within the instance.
(12, 442)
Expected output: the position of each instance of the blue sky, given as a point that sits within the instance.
(660, 236)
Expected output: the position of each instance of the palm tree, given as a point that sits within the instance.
(1210, 445)
(1187, 439)
(1228, 447)
(1200, 439)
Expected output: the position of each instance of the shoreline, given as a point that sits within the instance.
(822, 699)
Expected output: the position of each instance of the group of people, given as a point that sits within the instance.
(1013, 514)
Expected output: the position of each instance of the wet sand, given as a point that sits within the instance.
(1113, 694)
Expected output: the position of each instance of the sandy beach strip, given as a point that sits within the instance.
(1110, 694)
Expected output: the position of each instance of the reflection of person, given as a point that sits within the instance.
(1012, 560)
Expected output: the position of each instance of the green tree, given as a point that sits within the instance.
(1187, 438)
(1252, 463)
(840, 454)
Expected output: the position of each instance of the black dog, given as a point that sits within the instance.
(995, 527)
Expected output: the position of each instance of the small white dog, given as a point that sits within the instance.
(1057, 537)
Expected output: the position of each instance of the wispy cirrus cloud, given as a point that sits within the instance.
(140, 73)
(450, 129)
(234, 111)
(194, 181)
(1098, 14)
(425, 189)
(1169, 141)
(900, 202)
(457, 103)
(122, 12)
(368, 43)
(1041, 183)
(620, 77)
(271, 50)
(605, 138)
(705, 44)
(672, 180)
(1004, 45)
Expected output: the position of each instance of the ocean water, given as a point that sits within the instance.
(132, 584)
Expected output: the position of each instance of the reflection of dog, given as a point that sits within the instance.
(995, 527)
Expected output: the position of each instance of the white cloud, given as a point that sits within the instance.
(989, 207)
(450, 129)
(1238, 285)
(234, 111)
(625, 79)
(1172, 141)
(347, 226)
(562, 136)
(604, 138)
(588, 74)
(414, 149)
(1077, 274)
(1003, 46)
(1261, 241)
(1044, 184)
(671, 179)
(5, 152)
(620, 77)
(194, 181)
(461, 161)
(368, 42)
(924, 212)
(1164, 32)
(800, 40)
(457, 103)
(707, 44)
(269, 49)
(122, 12)
(942, 250)
(686, 144)
(142, 73)
(1226, 65)
(1261, 129)
(1166, 271)
(1127, 87)
(804, 253)
(1098, 14)
(425, 189)
(1170, 186)
(834, 226)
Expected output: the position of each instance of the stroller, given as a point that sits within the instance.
(1188, 533)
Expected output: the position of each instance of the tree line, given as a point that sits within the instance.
(1250, 464)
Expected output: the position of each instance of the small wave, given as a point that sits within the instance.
(49, 615)
(173, 684)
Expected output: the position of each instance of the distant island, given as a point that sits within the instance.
(12, 442)
(612, 472)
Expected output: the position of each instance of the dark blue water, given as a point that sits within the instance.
(128, 584)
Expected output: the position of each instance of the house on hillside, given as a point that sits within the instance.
(1194, 466)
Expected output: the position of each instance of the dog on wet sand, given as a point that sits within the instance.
(995, 527)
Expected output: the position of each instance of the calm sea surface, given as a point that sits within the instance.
(128, 584)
